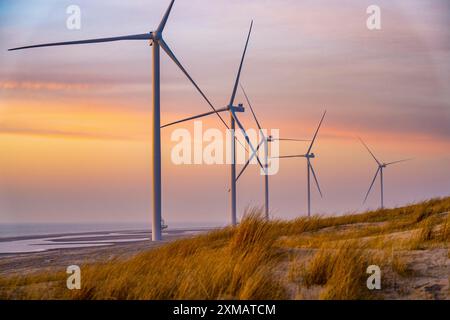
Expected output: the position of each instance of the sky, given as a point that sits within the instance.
(75, 121)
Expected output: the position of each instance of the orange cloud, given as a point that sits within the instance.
(69, 121)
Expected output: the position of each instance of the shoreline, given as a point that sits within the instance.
(58, 259)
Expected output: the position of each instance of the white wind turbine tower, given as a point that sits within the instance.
(310, 169)
(381, 167)
(157, 41)
(232, 109)
(265, 140)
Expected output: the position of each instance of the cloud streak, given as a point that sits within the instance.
(51, 86)
(66, 134)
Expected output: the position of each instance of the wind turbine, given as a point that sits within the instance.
(234, 120)
(157, 41)
(381, 167)
(310, 169)
(265, 140)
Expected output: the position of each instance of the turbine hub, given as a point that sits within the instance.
(156, 35)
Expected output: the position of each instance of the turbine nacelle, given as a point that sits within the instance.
(310, 155)
(239, 108)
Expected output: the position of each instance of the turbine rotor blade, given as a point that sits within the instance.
(194, 117)
(241, 143)
(371, 185)
(249, 159)
(246, 137)
(174, 58)
(315, 178)
(365, 145)
(242, 171)
(317, 131)
(251, 109)
(233, 94)
(288, 139)
(163, 22)
(144, 36)
(292, 156)
(399, 161)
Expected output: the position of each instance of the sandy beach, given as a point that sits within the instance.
(57, 252)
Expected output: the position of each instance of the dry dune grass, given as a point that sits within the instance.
(339, 269)
(230, 263)
(260, 259)
(374, 225)
(400, 266)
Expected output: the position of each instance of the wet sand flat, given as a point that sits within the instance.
(79, 249)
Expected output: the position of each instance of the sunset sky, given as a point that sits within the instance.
(75, 121)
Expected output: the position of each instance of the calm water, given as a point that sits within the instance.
(35, 229)
(43, 237)
(38, 229)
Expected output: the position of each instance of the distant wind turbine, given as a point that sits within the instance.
(157, 41)
(265, 140)
(232, 109)
(310, 169)
(381, 167)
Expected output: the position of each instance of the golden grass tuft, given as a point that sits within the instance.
(424, 235)
(340, 270)
(399, 266)
(444, 232)
(249, 261)
(234, 263)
